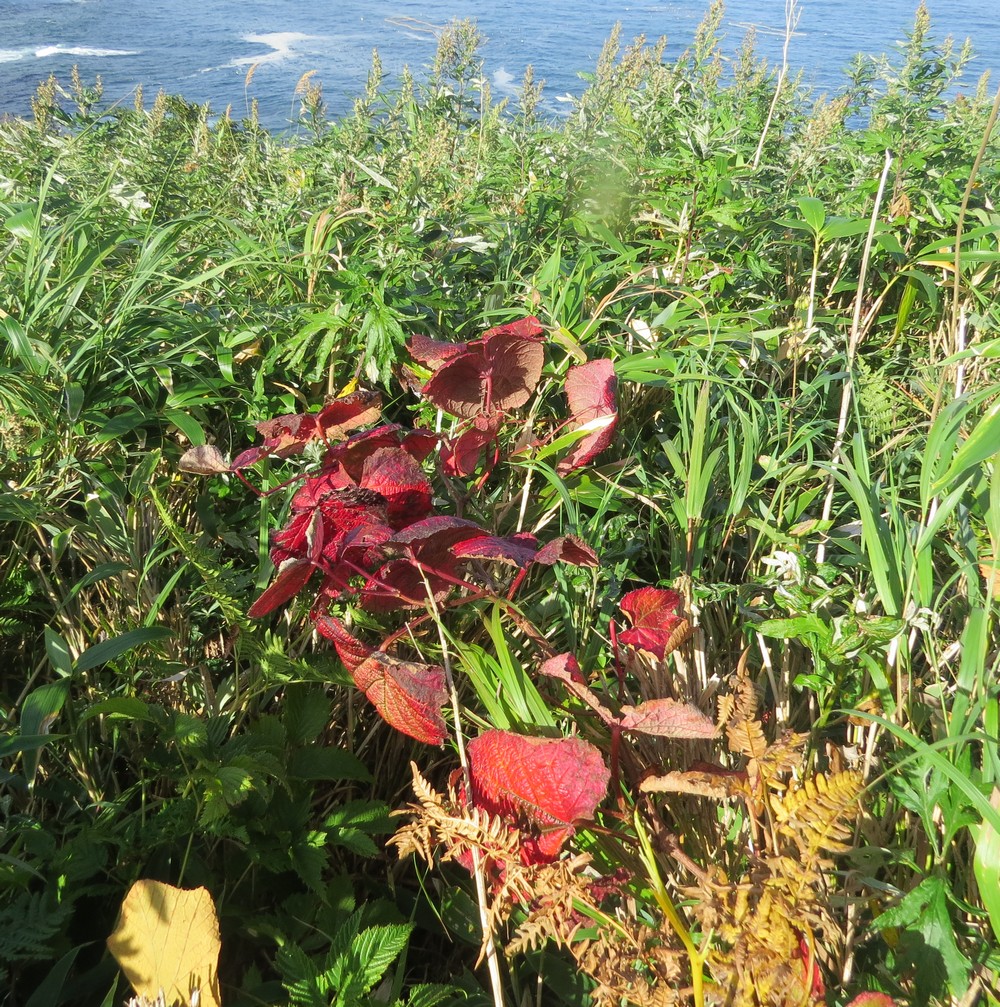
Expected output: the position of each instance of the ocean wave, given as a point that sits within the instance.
(13, 55)
(80, 50)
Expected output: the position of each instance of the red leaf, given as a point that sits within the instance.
(567, 549)
(565, 667)
(549, 783)
(590, 389)
(659, 625)
(523, 328)
(666, 718)
(396, 476)
(519, 549)
(459, 386)
(461, 456)
(494, 374)
(433, 353)
(407, 695)
(292, 577)
(351, 651)
(872, 998)
(513, 366)
(288, 435)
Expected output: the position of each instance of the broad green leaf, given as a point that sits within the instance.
(39, 710)
(108, 650)
(987, 866)
(126, 707)
(58, 651)
(318, 762)
(813, 212)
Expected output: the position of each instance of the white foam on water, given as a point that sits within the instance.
(13, 55)
(503, 82)
(281, 43)
(80, 50)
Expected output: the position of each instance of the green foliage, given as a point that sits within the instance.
(172, 278)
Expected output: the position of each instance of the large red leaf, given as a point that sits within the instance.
(658, 622)
(407, 695)
(432, 353)
(513, 366)
(459, 386)
(590, 389)
(292, 577)
(519, 549)
(396, 476)
(460, 457)
(666, 718)
(550, 784)
(494, 374)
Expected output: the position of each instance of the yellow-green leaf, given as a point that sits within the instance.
(168, 939)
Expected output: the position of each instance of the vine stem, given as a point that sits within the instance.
(489, 945)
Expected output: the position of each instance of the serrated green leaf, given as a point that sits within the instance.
(375, 949)
(320, 763)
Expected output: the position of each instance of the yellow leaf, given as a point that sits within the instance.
(168, 939)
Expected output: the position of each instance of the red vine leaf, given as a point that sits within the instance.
(590, 389)
(548, 783)
(667, 718)
(659, 625)
(565, 667)
(567, 549)
(494, 374)
(519, 549)
(394, 474)
(292, 577)
(407, 695)
(288, 435)
(351, 651)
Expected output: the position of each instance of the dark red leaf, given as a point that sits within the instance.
(659, 625)
(432, 353)
(437, 533)
(459, 386)
(204, 460)
(400, 584)
(407, 695)
(513, 366)
(590, 389)
(351, 651)
(666, 718)
(494, 374)
(519, 549)
(288, 435)
(292, 577)
(549, 783)
(567, 549)
(460, 457)
(396, 476)
(523, 328)
(247, 458)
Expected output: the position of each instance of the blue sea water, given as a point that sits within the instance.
(203, 49)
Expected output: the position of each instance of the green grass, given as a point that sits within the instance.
(809, 423)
